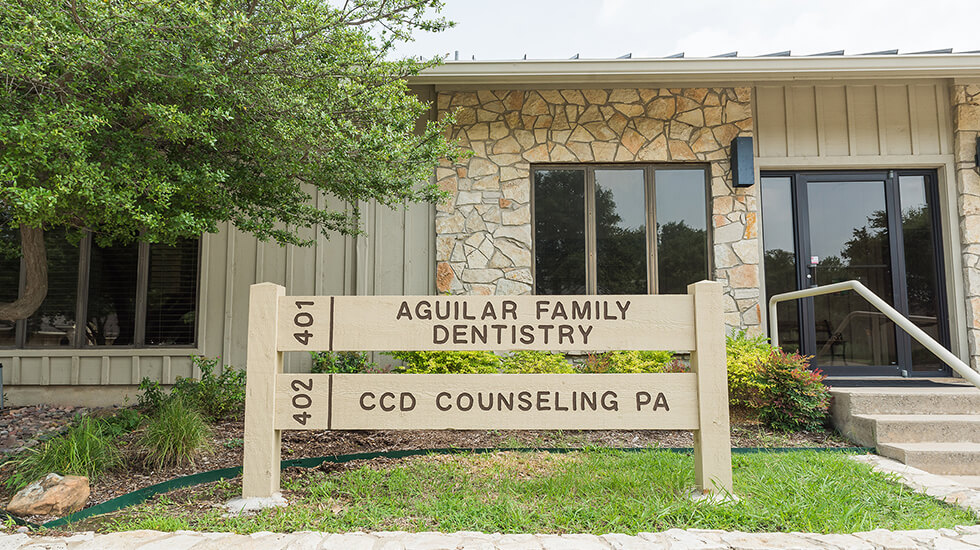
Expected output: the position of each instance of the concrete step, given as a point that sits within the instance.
(958, 458)
(915, 428)
(864, 401)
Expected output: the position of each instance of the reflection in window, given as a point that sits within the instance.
(131, 295)
(621, 259)
(559, 231)
(682, 229)
(53, 324)
(780, 256)
(9, 279)
(608, 249)
(111, 314)
(171, 308)
(920, 267)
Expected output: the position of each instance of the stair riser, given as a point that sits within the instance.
(919, 432)
(946, 463)
(907, 404)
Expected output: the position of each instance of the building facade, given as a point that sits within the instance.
(602, 177)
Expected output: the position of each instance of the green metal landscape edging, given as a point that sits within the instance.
(140, 495)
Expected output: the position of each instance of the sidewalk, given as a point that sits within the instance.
(962, 538)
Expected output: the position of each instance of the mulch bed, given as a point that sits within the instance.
(226, 449)
(23, 427)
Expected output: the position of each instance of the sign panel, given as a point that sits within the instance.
(276, 401)
(486, 401)
(433, 323)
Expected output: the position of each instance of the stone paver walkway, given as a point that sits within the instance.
(961, 538)
(936, 486)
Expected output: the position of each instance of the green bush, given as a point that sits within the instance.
(341, 362)
(744, 354)
(151, 396)
(122, 422)
(84, 450)
(175, 435)
(217, 397)
(535, 362)
(633, 362)
(786, 394)
(447, 362)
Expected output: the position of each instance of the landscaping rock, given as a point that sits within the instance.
(54, 495)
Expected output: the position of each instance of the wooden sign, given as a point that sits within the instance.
(416, 323)
(275, 401)
(486, 401)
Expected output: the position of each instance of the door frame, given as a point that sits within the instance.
(899, 299)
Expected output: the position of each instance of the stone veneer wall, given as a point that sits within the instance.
(966, 127)
(483, 232)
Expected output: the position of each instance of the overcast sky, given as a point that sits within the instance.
(558, 29)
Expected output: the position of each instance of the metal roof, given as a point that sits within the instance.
(722, 68)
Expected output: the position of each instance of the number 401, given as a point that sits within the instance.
(302, 320)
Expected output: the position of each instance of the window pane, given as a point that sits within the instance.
(620, 225)
(171, 309)
(920, 267)
(682, 229)
(112, 295)
(780, 256)
(559, 231)
(9, 279)
(53, 324)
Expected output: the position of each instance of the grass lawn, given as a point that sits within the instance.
(593, 491)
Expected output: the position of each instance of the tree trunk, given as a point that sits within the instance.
(36, 285)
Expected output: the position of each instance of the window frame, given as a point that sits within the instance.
(82, 302)
(650, 204)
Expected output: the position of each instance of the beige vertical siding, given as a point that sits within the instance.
(395, 255)
(854, 120)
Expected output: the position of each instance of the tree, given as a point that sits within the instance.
(159, 120)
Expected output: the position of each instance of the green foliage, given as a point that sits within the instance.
(160, 120)
(341, 362)
(151, 395)
(84, 450)
(535, 362)
(447, 362)
(744, 354)
(216, 396)
(176, 435)
(787, 395)
(631, 362)
(122, 422)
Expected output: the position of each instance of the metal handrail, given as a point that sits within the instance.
(908, 326)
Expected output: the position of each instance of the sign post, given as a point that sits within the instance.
(696, 401)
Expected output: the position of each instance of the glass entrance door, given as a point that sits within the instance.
(823, 228)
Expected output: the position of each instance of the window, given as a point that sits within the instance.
(593, 229)
(131, 295)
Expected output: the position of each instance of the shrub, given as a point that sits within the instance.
(122, 422)
(447, 362)
(175, 435)
(786, 394)
(215, 396)
(631, 362)
(84, 450)
(151, 396)
(341, 362)
(744, 354)
(536, 362)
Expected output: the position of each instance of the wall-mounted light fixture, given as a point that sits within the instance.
(743, 168)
